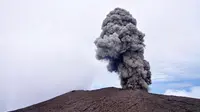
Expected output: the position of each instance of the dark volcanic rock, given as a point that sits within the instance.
(115, 100)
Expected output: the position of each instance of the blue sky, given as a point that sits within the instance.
(47, 47)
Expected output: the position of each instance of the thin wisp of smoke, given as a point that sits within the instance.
(122, 45)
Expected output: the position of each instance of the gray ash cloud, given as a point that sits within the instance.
(122, 45)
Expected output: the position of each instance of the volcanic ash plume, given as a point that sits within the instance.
(121, 44)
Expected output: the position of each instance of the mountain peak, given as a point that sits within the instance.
(115, 100)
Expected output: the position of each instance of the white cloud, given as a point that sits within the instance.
(172, 48)
(178, 85)
(194, 92)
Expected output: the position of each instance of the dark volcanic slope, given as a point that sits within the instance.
(115, 100)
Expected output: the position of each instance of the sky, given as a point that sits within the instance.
(47, 47)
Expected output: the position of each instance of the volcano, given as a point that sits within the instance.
(115, 100)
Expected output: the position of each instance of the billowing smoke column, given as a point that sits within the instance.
(121, 44)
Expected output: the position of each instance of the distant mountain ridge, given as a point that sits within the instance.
(115, 100)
